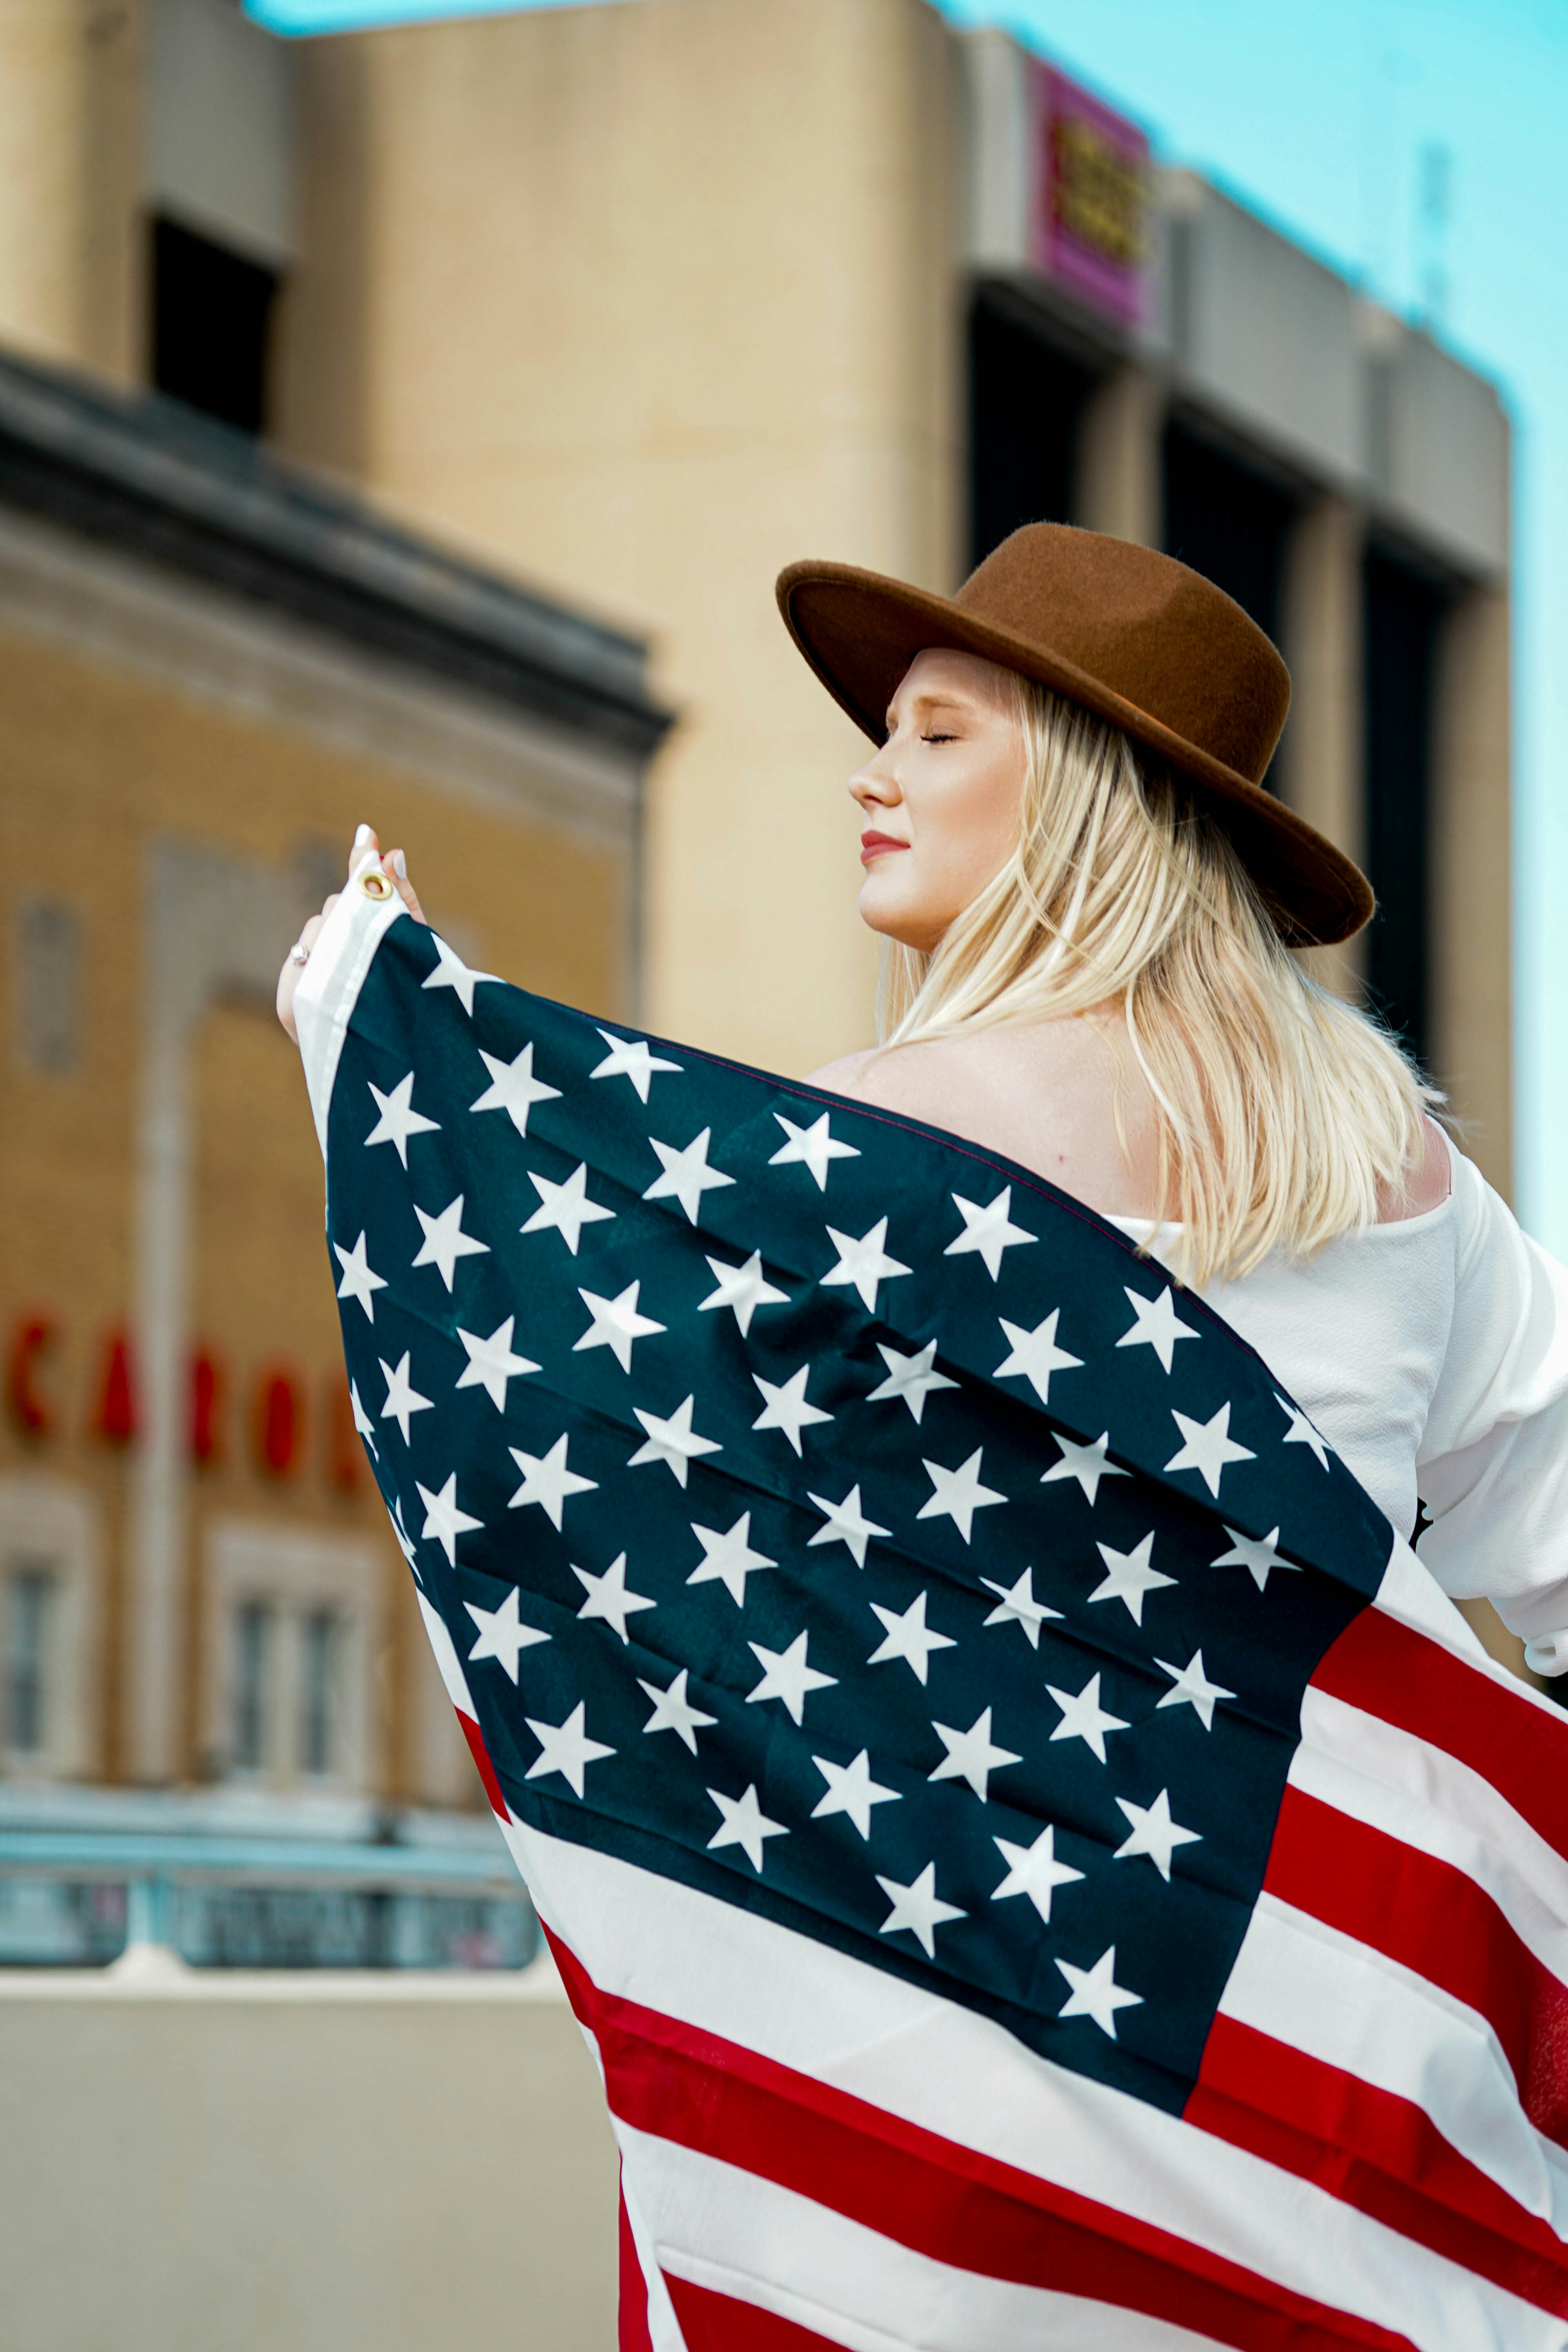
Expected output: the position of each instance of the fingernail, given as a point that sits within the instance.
(362, 837)
(400, 864)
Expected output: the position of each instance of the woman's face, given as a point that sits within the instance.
(941, 801)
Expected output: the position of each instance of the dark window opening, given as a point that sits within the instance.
(1026, 404)
(1401, 614)
(1227, 523)
(212, 316)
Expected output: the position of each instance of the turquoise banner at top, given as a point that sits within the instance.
(297, 17)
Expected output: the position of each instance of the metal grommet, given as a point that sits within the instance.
(374, 884)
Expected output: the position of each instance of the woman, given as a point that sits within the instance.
(1091, 906)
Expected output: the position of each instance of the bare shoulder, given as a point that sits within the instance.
(1428, 1183)
(900, 1078)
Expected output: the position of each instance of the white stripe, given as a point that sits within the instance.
(1319, 1992)
(742, 2236)
(452, 1674)
(329, 986)
(915, 2056)
(1392, 1781)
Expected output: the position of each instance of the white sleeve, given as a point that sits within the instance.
(1493, 1464)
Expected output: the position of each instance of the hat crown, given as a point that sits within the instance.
(1158, 634)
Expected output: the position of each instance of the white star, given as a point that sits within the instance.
(1035, 1355)
(1154, 1834)
(908, 1637)
(1018, 1606)
(442, 1519)
(971, 1756)
(633, 1059)
(987, 1230)
(547, 1481)
(909, 1376)
(743, 1288)
(608, 1598)
(673, 1441)
(744, 1825)
(359, 1282)
(1207, 1448)
(851, 1788)
(616, 1324)
(958, 1494)
(917, 1908)
(1086, 1463)
(451, 972)
(514, 1088)
(1300, 1432)
(1083, 1718)
(1096, 1993)
(728, 1559)
(1193, 1688)
(444, 1241)
(363, 1425)
(673, 1711)
(784, 1406)
(1033, 1870)
(501, 1636)
(402, 1398)
(846, 1525)
(491, 1363)
(864, 1263)
(565, 1206)
(565, 1748)
(1256, 1554)
(398, 1118)
(786, 1676)
(1128, 1576)
(686, 1175)
(813, 1146)
(1156, 1325)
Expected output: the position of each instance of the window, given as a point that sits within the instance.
(1025, 403)
(1402, 613)
(49, 1592)
(318, 1632)
(211, 322)
(1227, 522)
(252, 1653)
(29, 1599)
(48, 986)
(295, 1620)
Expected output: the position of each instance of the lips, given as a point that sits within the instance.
(874, 845)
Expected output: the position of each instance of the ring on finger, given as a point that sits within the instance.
(300, 953)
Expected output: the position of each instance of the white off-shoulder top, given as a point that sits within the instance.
(1432, 1355)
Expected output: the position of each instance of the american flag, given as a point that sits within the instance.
(1038, 1861)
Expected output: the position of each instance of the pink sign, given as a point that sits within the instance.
(1092, 180)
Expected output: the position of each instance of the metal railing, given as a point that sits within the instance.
(81, 1896)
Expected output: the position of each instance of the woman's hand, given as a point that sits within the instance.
(366, 851)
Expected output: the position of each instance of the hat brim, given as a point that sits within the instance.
(860, 631)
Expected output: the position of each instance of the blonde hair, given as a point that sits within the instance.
(1282, 1113)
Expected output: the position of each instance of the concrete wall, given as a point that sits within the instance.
(301, 2164)
(646, 301)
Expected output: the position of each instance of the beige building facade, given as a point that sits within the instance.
(635, 302)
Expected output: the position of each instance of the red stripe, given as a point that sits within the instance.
(1437, 1922)
(632, 2329)
(1510, 1739)
(481, 1756)
(1381, 2154)
(718, 2322)
(944, 2200)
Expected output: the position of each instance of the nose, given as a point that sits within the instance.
(875, 784)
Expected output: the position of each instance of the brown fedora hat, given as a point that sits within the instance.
(1130, 634)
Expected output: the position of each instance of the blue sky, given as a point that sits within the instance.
(1319, 117)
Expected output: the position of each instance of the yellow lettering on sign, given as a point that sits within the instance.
(1097, 191)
